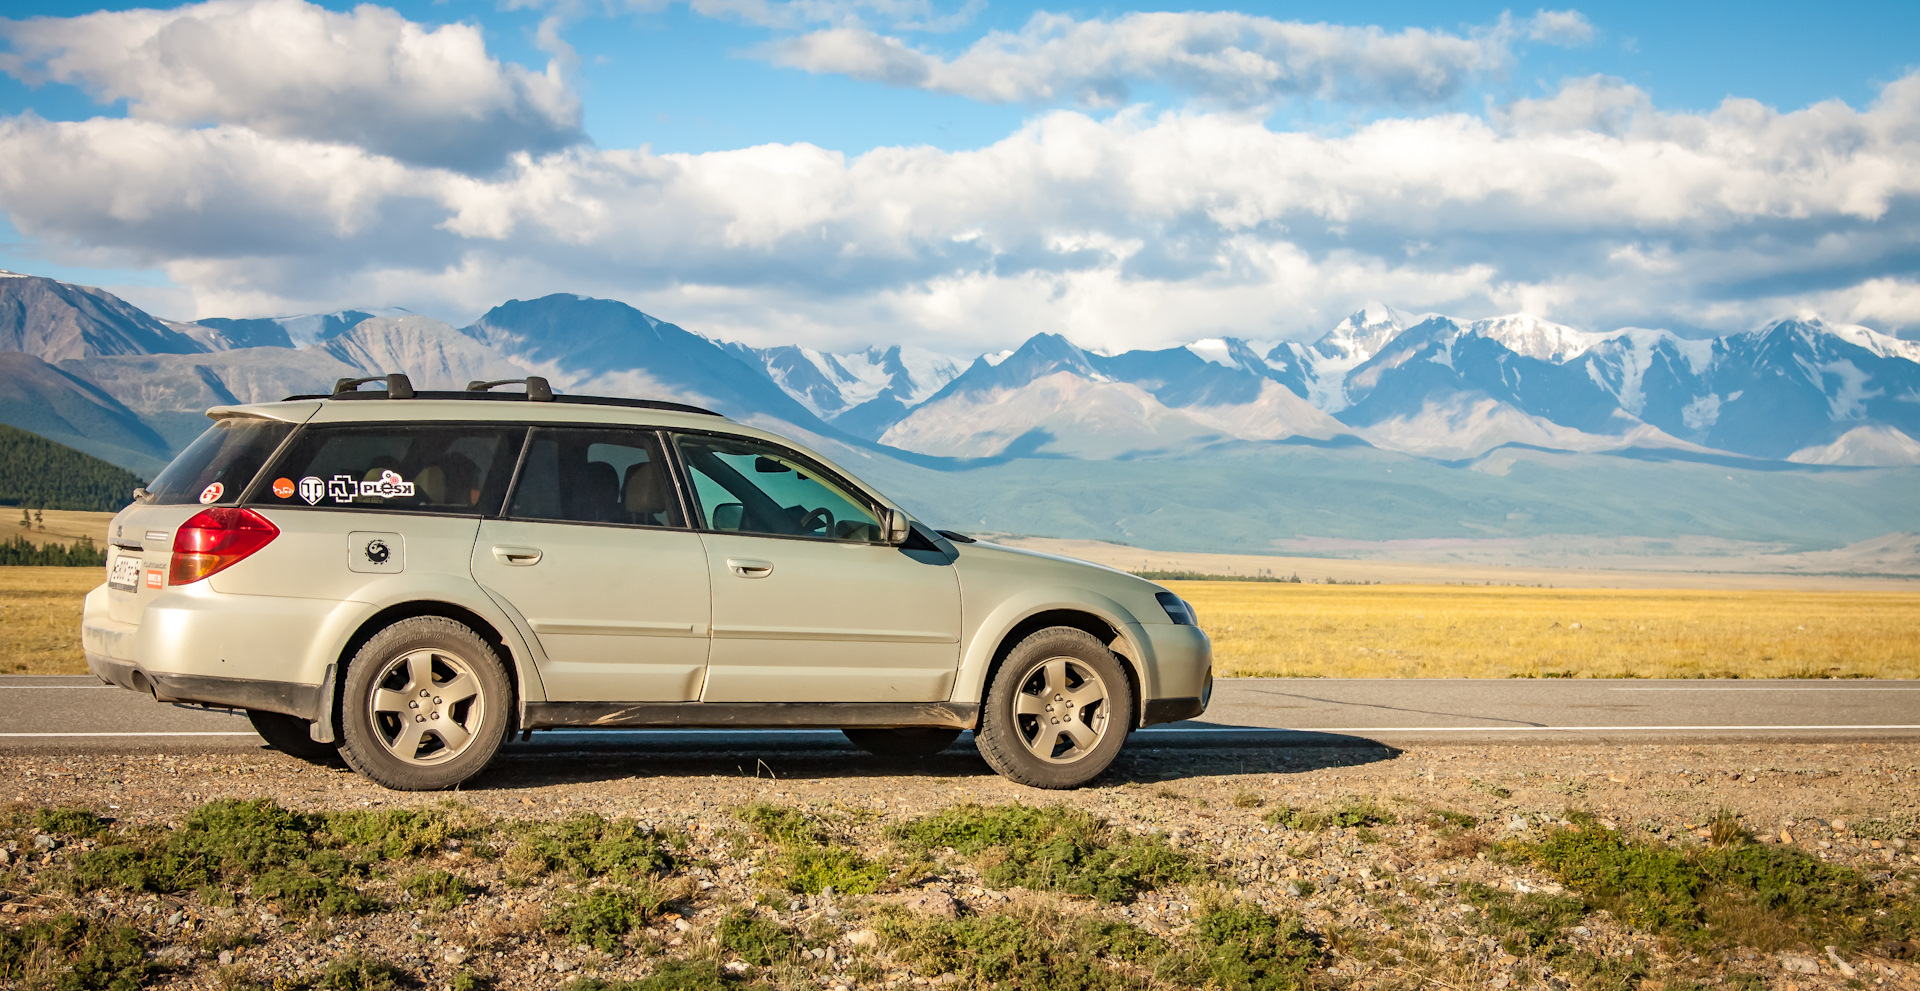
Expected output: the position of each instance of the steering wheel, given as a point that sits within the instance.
(826, 519)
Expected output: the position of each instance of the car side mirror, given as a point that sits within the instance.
(893, 527)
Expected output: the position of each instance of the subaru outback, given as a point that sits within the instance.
(406, 579)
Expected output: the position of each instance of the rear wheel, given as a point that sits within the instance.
(426, 705)
(1057, 712)
(911, 741)
(292, 736)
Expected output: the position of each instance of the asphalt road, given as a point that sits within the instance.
(79, 715)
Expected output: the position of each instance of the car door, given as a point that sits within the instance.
(595, 553)
(808, 605)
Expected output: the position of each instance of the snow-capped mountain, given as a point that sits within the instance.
(861, 392)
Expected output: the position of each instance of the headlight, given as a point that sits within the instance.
(1178, 609)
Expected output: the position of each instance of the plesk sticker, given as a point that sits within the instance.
(344, 488)
(211, 493)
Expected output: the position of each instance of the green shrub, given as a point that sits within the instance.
(390, 834)
(84, 954)
(605, 915)
(82, 823)
(438, 889)
(1347, 815)
(670, 975)
(810, 860)
(756, 940)
(1241, 948)
(299, 893)
(356, 972)
(1000, 951)
(586, 845)
(1055, 848)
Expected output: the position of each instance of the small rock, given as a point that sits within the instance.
(562, 966)
(682, 925)
(1839, 825)
(176, 918)
(937, 903)
(1574, 626)
(454, 955)
(225, 913)
(226, 958)
(1796, 964)
(1786, 837)
(42, 841)
(175, 956)
(735, 967)
(4, 855)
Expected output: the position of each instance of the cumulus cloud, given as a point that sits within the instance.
(1226, 57)
(292, 69)
(899, 15)
(1138, 229)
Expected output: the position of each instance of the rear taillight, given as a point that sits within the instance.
(217, 539)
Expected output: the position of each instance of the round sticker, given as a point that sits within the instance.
(283, 488)
(211, 493)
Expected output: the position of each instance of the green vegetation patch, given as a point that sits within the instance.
(75, 822)
(810, 859)
(390, 834)
(72, 953)
(587, 845)
(1738, 894)
(755, 939)
(1538, 927)
(1350, 814)
(1230, 947)
(671, 975)
(438, 889)
(357, 972)
(604, 916)
(1054, 848)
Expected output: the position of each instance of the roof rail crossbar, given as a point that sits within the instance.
(538, 390)
(398, 385)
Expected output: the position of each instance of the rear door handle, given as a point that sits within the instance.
(748, 568)
(515, 556)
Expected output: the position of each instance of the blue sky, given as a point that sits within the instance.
(731, 165)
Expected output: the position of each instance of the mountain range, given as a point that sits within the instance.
(1475, 416)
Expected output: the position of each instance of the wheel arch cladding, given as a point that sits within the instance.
(445, 610)
(1086, 622)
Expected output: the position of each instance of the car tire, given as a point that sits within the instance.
(425, 705)
(292, 736)
(1058, 710)
(908, 741)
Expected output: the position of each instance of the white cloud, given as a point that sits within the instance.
(292, 69)
(1134, 230)
(1225, 57)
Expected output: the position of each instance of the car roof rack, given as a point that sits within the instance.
(538, 391)
(398, 386)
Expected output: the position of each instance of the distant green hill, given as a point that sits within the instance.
(37, 472)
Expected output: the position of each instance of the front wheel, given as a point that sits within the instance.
(425, 706)
(292, 736)
(1057, 712)
(911, 741)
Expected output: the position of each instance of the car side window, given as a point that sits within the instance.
(458, 469)
(596, 475)
(753, 487)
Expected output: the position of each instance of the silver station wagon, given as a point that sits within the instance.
(408, 578)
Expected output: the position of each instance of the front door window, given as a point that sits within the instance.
(744, 486)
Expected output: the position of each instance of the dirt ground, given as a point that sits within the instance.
(1392, 903)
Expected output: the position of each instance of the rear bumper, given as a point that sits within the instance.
(131, 657)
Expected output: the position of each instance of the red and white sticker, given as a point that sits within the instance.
(156, 578)
(283, 488)
(212, 493)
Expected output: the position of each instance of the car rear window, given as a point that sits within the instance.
(217, 466)
(459, 469)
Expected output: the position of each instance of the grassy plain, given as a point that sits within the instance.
(1440, 631)
(40, 619)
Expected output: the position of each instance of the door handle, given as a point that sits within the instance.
(515, 556)
(748, 568)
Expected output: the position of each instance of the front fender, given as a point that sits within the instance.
(1134, 647)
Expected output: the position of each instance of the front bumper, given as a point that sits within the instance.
(1180, 684)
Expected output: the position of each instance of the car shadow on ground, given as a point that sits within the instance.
(1148, 757)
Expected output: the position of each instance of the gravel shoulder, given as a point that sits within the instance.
(1399, 901)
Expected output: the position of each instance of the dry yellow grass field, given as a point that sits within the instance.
(1370, 631)
(61, 526)
(40, 619)
(1439, 631)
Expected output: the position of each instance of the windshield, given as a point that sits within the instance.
(220, 463)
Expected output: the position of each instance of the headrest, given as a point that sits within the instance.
(647, 492)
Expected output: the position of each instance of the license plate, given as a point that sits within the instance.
(125, 575)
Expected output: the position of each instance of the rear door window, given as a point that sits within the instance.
(459, 469)
(596, 475)
(217, 466)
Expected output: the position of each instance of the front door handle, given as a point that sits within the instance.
(515, 556)
(748, 568)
